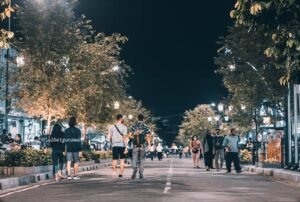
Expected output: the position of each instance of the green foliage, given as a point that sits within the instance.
(195, 122)
(280, 22)
(96, 155)
(250, 78)
(28, 158)
(5, 35)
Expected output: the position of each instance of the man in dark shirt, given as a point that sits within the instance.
(73, 144)
(208, 143)
(140, 134)
(219, 149)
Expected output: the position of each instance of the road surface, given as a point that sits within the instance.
(171, 180)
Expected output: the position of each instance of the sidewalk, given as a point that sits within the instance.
(12, 182)
(275, 172)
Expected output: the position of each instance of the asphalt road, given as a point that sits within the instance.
(166, 181)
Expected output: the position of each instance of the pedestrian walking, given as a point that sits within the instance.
(180, 152)
(118, 136)
(73, 144)
(208, 143)
(141, 135)
(196, 147)
(219, 150)
(152, 150)
(231, 143)
(159, 150)
(58, 147)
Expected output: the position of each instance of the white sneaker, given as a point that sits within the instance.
(69, 178)
(76, 178)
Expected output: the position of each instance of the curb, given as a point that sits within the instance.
(275, 172)
(14, 182)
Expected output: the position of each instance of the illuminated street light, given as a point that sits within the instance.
(243, 107)
(217, 118)
(226, 118)
(116, 68)
(20, 61)
(209, 119)
(130, 117)
(213, 104)
(230, 108)
(220, 107)
(116, 105)
(232, 67)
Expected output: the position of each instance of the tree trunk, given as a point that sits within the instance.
(49, 123)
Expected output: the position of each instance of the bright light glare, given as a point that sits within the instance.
(130, 117)
(243, 107)
(220, 107)
(209, 119)
(117, 105)
(20, 61)
(116, 68)
(232, 67)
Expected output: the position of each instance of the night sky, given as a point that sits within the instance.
(171, 48)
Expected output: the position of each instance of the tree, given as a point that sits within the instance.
(5, 35)
(94, 83)
(195, 122)
(249, 76)
(131, 108)
(280, 22)
(48, 37)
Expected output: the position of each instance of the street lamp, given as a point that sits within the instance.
(20, 61)
(130, 117)
(209, 119)
(220, 107)
(116, 105)
(226, 118)
(217, 118)
(213, 104)
(243, 107)
(116, 68)
(232, 67)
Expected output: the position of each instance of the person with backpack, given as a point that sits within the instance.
(118, 136)
(140, 133)
(73, 144)
(196, 147)
(219, 150)
(231, 143)
(58, 148)
(208, 143)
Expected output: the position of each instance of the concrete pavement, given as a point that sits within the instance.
(164, 182)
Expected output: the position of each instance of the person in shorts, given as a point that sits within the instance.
(118, 136)
(73, 144)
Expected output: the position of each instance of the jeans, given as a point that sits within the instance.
(138, 160)
(219, 154)
(232, 156)
(58, 161)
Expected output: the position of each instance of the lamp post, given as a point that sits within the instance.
(6, 105)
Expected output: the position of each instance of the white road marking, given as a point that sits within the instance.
(169, 178)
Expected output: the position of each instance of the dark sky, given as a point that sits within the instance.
(171, 47)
